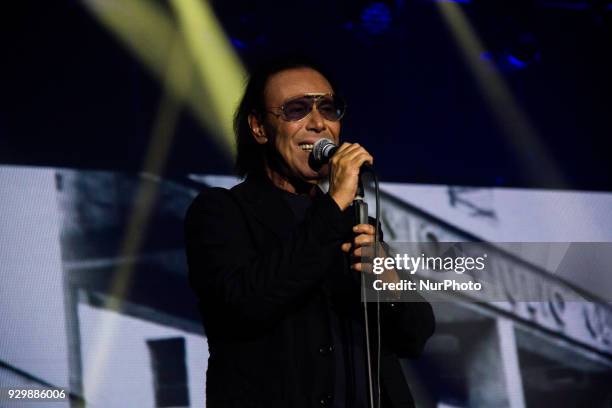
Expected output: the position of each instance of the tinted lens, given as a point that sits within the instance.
(331, 107)
(296, 109)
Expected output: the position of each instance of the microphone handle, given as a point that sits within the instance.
(360, 206)
(361, 212)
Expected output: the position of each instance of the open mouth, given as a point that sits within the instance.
(307, 147)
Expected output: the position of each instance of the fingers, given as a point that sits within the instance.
(353, 153)
(365, 237)
(343, 147)
(362, 240)
(344, 173)
(364, 229)
(358, 266)
(361, 248)
(363, 251)
(358, 156)
(358, 252)
(364, 267)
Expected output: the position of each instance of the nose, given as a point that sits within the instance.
(316, 122)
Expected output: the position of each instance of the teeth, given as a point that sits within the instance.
(306, 146)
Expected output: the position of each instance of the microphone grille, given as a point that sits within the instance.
(319, 149)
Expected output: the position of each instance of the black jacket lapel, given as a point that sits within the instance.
(263, 202)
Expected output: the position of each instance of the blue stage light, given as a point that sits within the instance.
(376, 18)
(516, 57)
(238, 44)
(515, 62)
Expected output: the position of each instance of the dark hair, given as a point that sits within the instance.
(250, 154)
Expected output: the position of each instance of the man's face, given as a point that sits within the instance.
(290, 138)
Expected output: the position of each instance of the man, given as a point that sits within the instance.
(273, 262)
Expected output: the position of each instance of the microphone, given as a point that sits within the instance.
(322, 151)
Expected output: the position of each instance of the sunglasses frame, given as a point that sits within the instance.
(316, 98)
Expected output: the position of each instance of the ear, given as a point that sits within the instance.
(257, 128)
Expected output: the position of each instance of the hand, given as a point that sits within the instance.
(344, 176)
(365, 236)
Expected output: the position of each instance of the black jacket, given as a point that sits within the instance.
(265, 288)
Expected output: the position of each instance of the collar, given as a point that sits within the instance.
(265, 202)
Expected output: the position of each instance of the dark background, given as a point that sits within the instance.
(73, 96)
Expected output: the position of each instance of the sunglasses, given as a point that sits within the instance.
(330, 106)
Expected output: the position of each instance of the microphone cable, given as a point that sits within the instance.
(370, 170)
